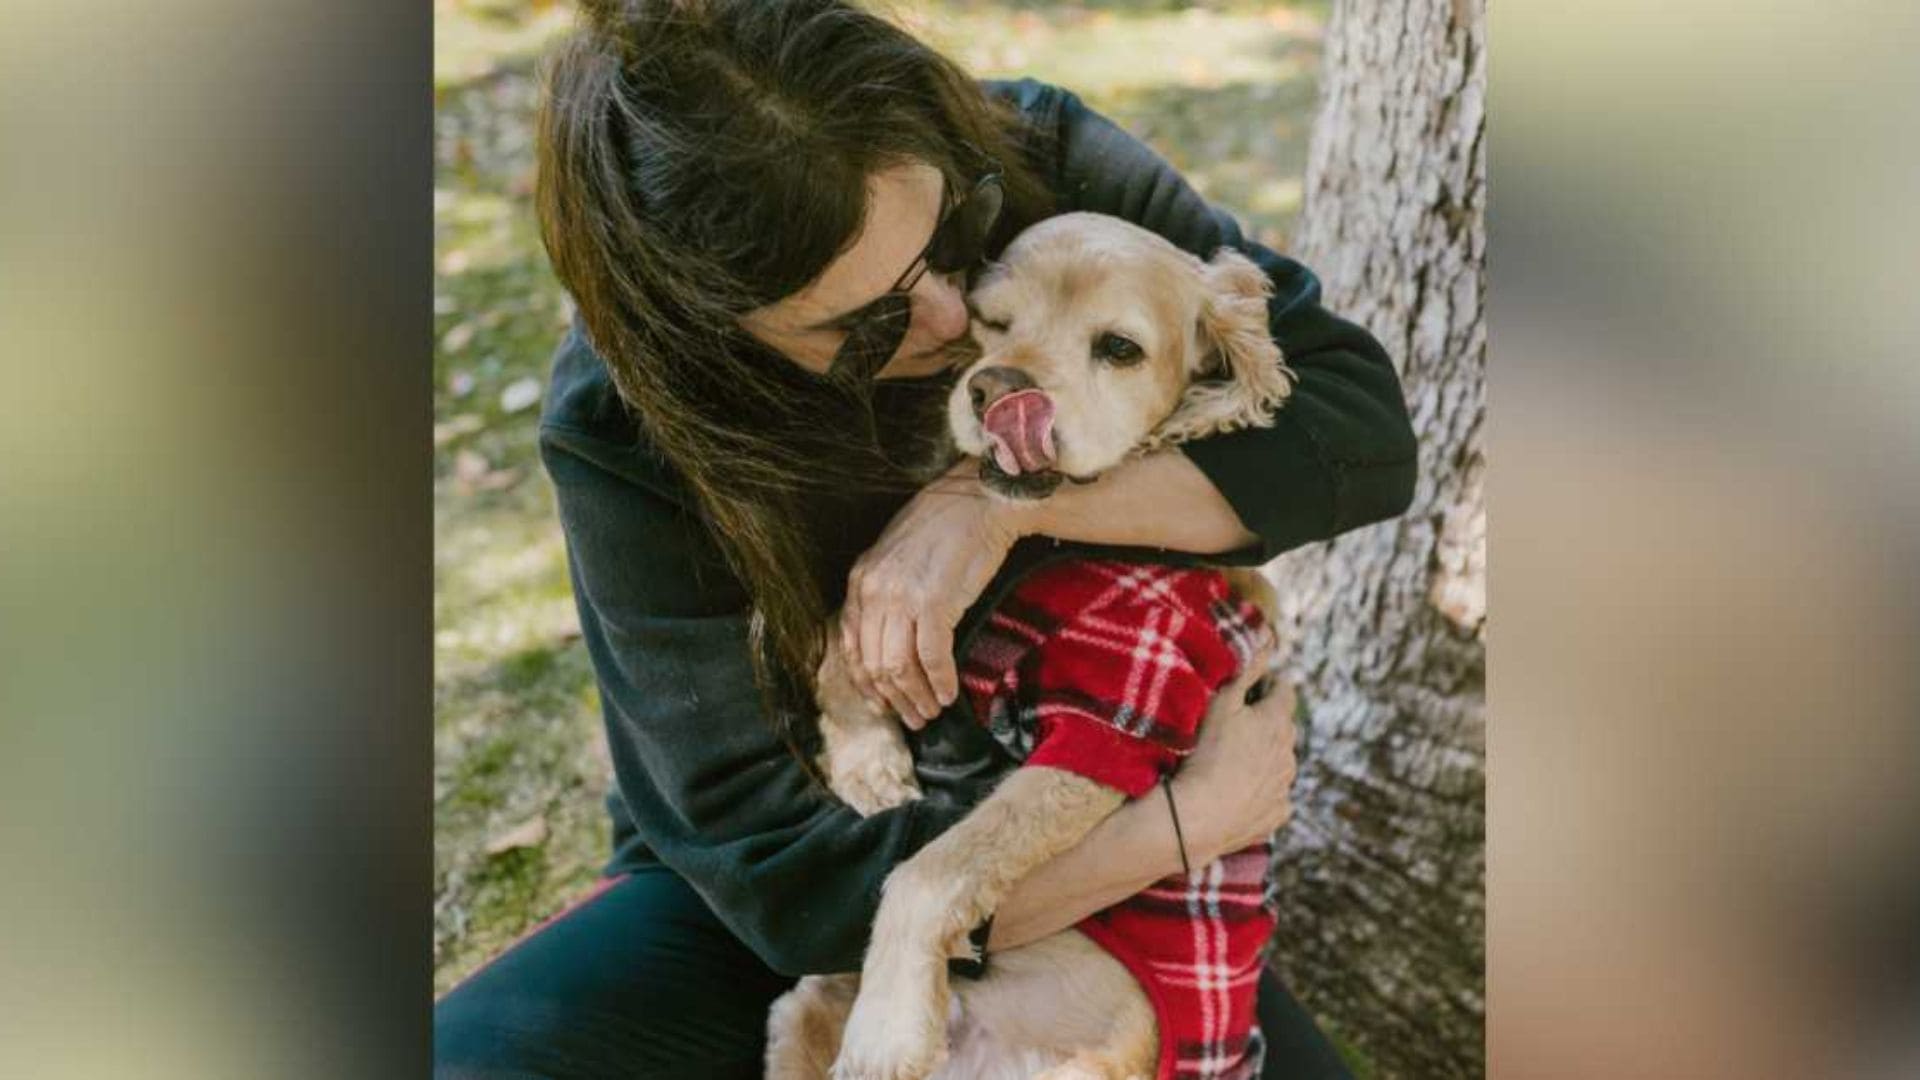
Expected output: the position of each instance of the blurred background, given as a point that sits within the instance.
(1224, 90)
(1703, 817)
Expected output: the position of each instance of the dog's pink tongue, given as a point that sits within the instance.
(1020, 425)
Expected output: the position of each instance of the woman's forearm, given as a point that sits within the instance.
(1133, 848)
(1157, 500)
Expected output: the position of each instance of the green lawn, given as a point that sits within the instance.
(1224, 90)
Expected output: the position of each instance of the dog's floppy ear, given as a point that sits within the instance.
(1240, 377)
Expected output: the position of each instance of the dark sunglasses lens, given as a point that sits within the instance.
(873, 341)
(963, 237)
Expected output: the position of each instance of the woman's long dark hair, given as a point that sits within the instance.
(699, 159)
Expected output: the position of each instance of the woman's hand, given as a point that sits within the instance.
(908, 591)
(1236, 787)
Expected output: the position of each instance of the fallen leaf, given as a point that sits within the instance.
(520, 393)
(527, 834)
(469, 467)
(448, 430)
(472, 472)
(498, 479)
(459, 337)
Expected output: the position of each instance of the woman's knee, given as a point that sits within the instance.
(497, 1035)
(479, 1035)
(641, 981)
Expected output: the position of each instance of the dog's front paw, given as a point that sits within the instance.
(891, 1039)
(873, 782)
(866, 761)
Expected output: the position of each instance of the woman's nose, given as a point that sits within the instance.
(941, 307)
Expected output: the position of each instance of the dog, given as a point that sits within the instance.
(1097, 340)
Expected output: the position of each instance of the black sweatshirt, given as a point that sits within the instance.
(701, 783)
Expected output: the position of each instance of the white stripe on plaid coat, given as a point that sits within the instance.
(1105, 669)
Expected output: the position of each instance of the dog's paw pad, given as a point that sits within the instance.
(870, 791)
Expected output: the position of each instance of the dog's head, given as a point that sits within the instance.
(1099, 338)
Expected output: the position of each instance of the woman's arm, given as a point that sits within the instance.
(1159, 500)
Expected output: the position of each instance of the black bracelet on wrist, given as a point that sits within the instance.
(1166, 785)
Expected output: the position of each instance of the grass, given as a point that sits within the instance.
(1224, 90)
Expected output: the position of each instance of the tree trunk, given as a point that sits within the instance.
(1383, 909)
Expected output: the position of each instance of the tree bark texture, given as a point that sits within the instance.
(1382, 930)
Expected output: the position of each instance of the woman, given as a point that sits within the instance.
(766, 212)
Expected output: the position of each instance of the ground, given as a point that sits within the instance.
(1223, 90)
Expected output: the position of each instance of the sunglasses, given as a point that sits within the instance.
(959, 242)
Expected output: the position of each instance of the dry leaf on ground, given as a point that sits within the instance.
(527, 834)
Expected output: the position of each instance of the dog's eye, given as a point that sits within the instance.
(998, 326)
(1117, 351)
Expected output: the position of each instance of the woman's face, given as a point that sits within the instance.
(903, 206)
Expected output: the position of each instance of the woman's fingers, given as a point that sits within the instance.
(911, 693)
(871, 632)
(886, 643)
(850, 629)
(1247, 746)
(1276, 710)
(904, 596)
(935, 640)
(899, 656)
(1279, 704)
(851, 616)
(1258, 668)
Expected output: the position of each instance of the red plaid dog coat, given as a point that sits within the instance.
(1105, 669)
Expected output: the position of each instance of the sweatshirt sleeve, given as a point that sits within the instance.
(711, 790)
(1341, 452)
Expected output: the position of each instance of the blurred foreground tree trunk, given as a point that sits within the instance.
(1383, 909)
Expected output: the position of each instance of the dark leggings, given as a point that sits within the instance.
(642, 980)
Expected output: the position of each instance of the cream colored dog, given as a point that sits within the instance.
(1099, 340)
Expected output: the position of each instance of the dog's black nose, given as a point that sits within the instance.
(989, 385)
